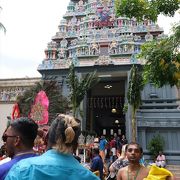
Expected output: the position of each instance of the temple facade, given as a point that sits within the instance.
(93, 38)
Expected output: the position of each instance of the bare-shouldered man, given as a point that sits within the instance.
(134, 171)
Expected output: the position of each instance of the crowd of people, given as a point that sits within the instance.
(30, 152)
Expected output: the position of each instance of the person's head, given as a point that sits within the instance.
(64, 133)
(2, 150)
(20, 136)
(95, 151)
(123, 151)
(160, 153)
(123, 136)
(134, 152)
(102, 137)
(88, 159)
(39, 137)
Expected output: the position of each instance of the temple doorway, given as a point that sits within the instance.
(105, 104)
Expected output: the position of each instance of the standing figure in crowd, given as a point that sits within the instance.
(124, 140)
(113, 146)
(121, 162)
(58, 162)
(19, 140)
(97, 163)
(39, 144)
(3, 157)
(102, 147)
(161, 160)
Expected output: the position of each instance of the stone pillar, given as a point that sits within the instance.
(46, 54)
(54, 53)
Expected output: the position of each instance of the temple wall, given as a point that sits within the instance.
(160, 114)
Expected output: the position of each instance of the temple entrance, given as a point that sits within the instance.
(105, 108)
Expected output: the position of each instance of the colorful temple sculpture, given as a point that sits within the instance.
(93, 38)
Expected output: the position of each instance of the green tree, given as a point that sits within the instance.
(79, 87)
(145, 9)
(57, 103)
(2, 27)
(162, 60)
(155, 145)
(134, 95)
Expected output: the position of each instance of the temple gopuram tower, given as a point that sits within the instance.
(92, 37)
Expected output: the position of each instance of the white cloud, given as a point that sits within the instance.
(167, 22)
(30, 26)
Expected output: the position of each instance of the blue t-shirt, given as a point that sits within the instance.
(4, 168)
(50, 165)
(97, 165)
(102, 144)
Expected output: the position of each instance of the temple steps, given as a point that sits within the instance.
(175, 169)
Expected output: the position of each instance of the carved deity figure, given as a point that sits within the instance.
(125, 48)
(80, 5)
(113, 47)
(61, 53)
(94, 48)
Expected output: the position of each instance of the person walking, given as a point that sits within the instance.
(121, 162)
(102, 146)
(19, 140)
(58, 162)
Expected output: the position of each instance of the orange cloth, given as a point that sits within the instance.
(102, 154)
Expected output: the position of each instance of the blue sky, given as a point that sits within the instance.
(30, 25)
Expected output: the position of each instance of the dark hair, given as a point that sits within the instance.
(64, 133)
(134, 143)
(96, 151)
(27, 130)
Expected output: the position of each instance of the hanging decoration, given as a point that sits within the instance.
(39, 111)
(106, 102)
(16, 111)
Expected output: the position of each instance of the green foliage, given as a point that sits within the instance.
(57, 103)
(145, 9)
(134, 95)
(162, 60)
(135, 87)
(167, 7)
(125, 108)
(155, 145)
(79, 87)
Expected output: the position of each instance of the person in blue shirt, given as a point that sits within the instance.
(97, 163)
(102, 147)
(58, 162)
(19, 140)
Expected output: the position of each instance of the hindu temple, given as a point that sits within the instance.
(93, 38)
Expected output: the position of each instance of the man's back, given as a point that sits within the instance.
(97, 165)
(4, 168)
